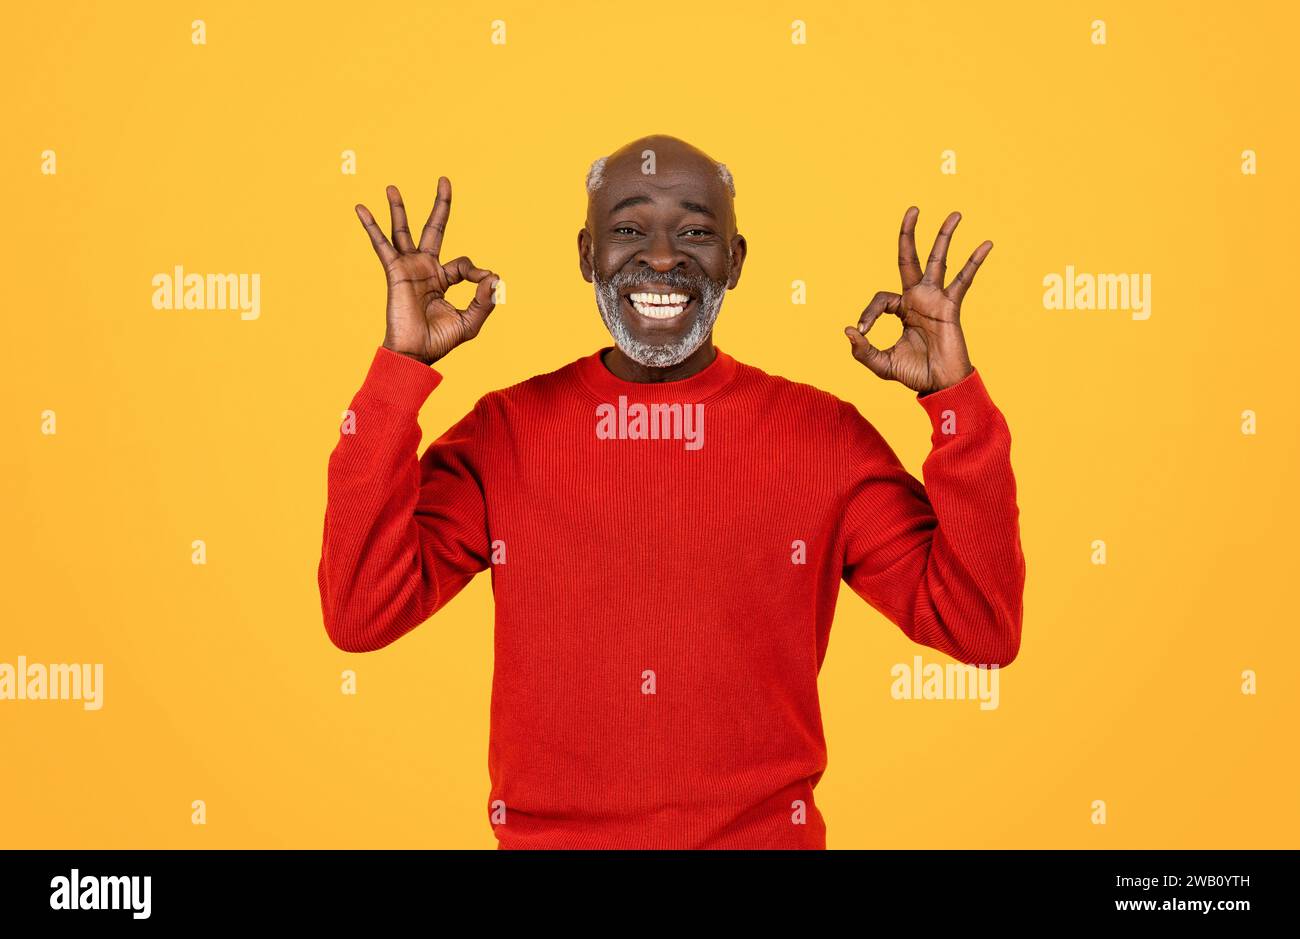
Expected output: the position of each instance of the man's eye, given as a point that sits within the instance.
(691, 232)
(625, 230)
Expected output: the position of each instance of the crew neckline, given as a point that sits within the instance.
(708, 382)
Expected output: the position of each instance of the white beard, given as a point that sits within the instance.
(668, 353)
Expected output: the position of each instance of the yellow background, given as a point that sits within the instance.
(220, 682)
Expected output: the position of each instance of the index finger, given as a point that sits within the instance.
(908, 265)
(463, 269)
(431, 237)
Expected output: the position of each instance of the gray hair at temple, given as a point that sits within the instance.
(596, 176)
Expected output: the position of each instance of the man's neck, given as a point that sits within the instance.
(631, 370)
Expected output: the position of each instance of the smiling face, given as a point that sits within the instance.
(661, 250)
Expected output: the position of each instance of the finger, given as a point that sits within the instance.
(879, 361)
(937, 266)
(387, 254)
(908, 265)
(401, 233)
(484, 302)
(463, 269)
(431, 237)
(875, 359)
(882, 302)
(961, 283)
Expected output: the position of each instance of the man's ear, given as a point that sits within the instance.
(738, 251)
(584, 253)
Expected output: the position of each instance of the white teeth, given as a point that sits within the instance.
(660, 299)
(660, 306)
(659, 312)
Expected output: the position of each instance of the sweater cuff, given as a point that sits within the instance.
(959, 409)
(398, 380)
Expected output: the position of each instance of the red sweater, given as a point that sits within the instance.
(664, 601)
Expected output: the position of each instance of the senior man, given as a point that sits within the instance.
(666, 527)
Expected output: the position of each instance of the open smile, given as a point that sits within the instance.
(659, 304)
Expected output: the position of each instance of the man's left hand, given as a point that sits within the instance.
(931, 354)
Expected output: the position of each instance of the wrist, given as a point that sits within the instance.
(418, 357)
(952, 383)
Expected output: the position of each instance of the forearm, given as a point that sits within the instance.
(374, 583)
(941, 559)
(969, 602)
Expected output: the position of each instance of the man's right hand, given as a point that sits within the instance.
(422, 324)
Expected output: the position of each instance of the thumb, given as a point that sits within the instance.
(873, 358)
(484, 302)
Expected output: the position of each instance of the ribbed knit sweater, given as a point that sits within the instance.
(665, 579)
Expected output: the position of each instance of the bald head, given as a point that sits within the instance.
(661, 248)
(656, 143)
(656, 154)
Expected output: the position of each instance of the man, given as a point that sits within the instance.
(666, 527)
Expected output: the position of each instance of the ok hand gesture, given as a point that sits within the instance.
(931, 353)
(422, 323)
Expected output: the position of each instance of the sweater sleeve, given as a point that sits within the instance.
(402, 535)
(943, 560)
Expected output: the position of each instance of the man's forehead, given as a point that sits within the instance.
(661, 158)
(673, 178)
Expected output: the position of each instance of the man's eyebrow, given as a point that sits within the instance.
(643, 200)
(628, 202)
(696, 207)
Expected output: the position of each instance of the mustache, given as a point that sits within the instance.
(674, 278)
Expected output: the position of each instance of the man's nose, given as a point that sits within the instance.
(661, 254)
